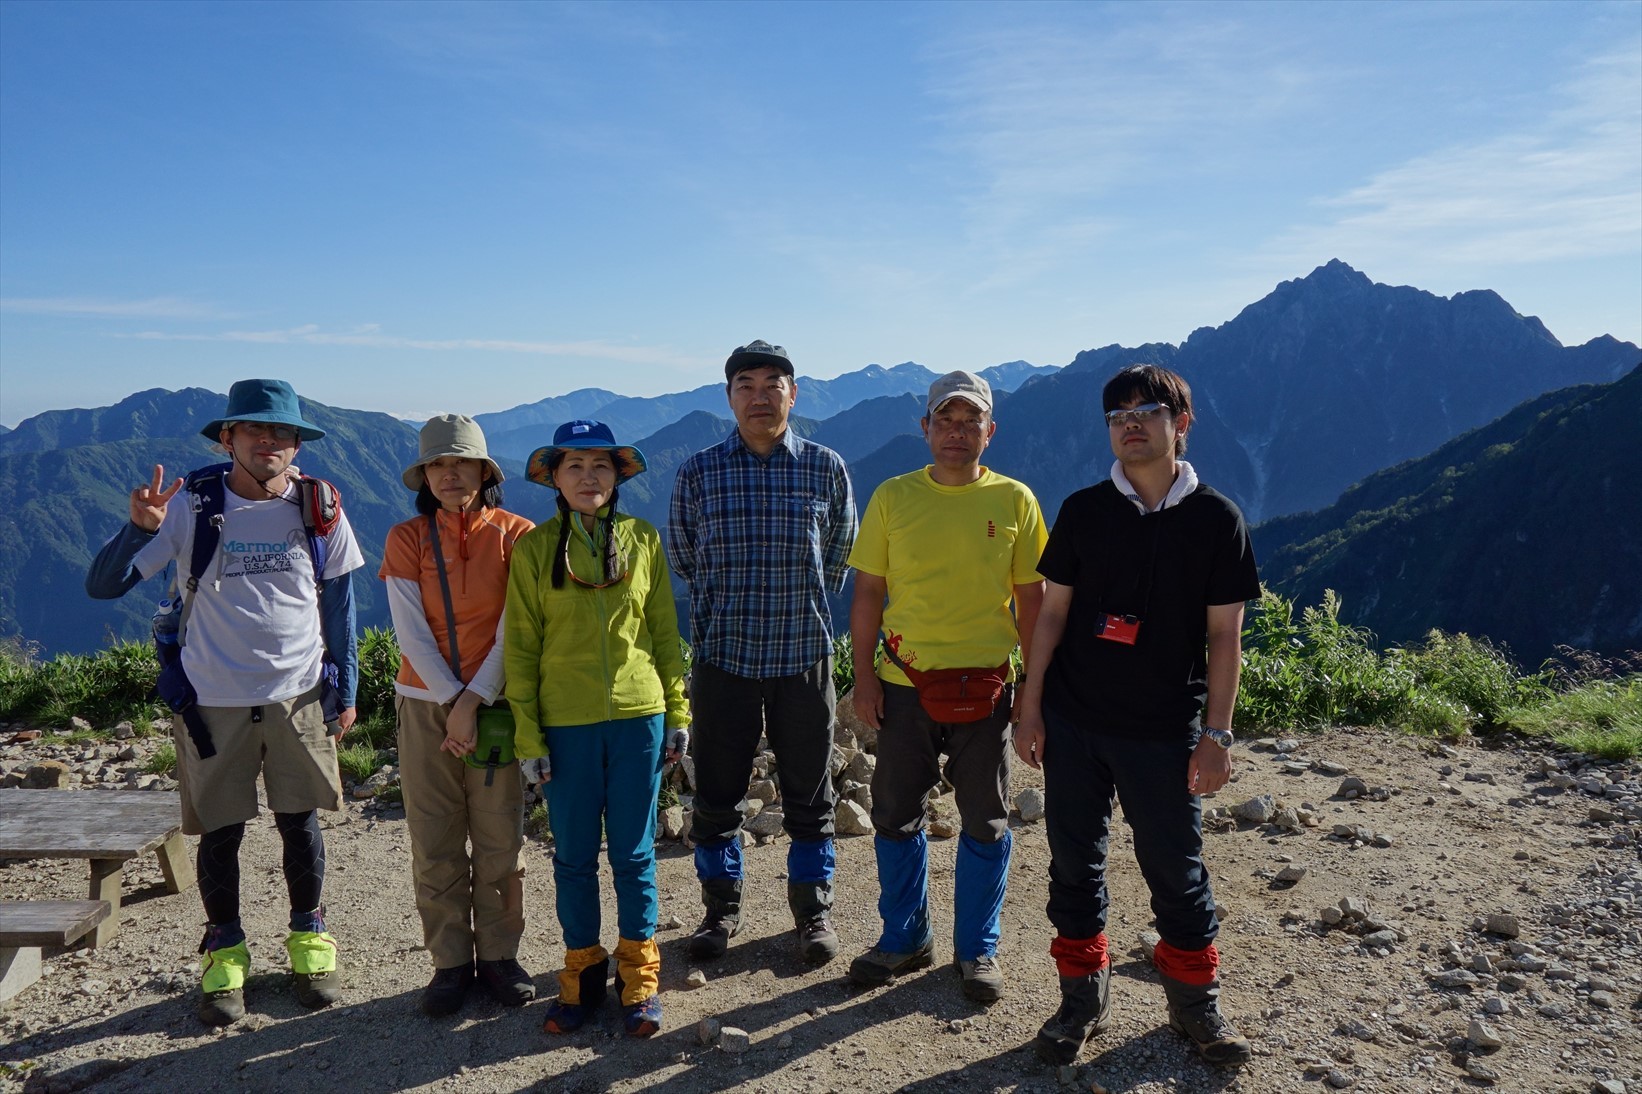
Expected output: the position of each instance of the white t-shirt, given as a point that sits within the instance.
(253, 631)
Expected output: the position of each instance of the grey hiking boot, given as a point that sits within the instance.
(722, 898)
(877, 967)
(1085, 1010)
(506, 981)
(817, 942)
(983, 978)
(1194, 1011)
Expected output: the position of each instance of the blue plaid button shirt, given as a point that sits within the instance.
(761, 542)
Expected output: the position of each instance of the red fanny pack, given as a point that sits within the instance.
(955, 695)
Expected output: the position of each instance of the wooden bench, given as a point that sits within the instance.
(108, 827)
(28, 928)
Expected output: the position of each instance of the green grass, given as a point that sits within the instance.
(1303, 668)
(164, 760)
(359, 760)
(536, 821)
(1600, 717)
(103, 688)
(1315, 670)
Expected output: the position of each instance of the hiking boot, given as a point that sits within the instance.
(642, 1019)
(592, 982)
(983, 978)
(1194, 1011)
(314, 971)
(445, 992)
(816, 940)
(1085, 1010)
(222, 982)
(712, 938)
(877, 967)
(506, 982)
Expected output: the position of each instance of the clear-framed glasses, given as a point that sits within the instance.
(621, 560)
(1145, 412)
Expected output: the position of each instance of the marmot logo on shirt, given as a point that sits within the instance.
(991, 530)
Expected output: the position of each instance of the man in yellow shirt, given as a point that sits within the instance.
(941, 555)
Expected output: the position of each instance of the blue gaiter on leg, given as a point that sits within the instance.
(903, 892)
(718, 858)
(809, 861)
(982, 878)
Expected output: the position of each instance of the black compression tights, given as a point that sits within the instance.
(304, 863)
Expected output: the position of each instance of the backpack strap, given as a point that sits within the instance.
(321, 505)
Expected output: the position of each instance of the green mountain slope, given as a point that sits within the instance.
(1526, 530)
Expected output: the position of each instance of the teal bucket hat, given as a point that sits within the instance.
(272, 401)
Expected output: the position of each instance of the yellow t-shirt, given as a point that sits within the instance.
(951, 556)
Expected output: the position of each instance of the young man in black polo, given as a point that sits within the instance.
(1129, 696)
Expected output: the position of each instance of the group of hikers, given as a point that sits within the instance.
(550, 656)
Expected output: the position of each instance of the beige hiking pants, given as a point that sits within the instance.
(471, 901)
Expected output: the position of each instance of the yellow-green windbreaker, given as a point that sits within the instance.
(578, 656)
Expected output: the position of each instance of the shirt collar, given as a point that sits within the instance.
(1185, 482)
(788, 440)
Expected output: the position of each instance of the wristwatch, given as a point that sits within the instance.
(1221, 737)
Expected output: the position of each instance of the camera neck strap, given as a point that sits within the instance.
(444, 589)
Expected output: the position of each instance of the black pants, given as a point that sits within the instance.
(1083, 770)
(731, 713)
(910, 744)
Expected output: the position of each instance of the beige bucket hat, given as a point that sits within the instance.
(449, 435)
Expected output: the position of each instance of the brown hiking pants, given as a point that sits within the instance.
(471, 901)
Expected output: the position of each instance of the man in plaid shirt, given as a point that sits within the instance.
(760, 527)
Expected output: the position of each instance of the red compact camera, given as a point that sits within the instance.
(1117, 628)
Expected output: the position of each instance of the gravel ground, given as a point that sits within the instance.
(1374, 971)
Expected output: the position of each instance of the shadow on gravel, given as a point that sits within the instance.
(847, 1012)
(375, 1044)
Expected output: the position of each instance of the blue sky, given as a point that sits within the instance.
(428, 207)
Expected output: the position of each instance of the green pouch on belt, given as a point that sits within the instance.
(493, 746)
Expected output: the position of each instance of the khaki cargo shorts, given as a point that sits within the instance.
(284, 741)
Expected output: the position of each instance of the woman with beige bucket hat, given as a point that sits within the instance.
(446, 573)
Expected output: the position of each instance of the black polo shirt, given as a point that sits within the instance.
(1166, 568)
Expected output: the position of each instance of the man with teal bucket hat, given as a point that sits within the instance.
(257, 657)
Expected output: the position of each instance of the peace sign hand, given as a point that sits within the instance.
(148, 501)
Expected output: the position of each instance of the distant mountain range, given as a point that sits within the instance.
(523, 429)
(1327, 380)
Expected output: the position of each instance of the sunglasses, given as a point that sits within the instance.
(279, 432)
(621, 558)
(1145, 412)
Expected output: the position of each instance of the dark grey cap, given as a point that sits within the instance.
(757, 354)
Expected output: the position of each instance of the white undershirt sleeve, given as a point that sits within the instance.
(416, 642)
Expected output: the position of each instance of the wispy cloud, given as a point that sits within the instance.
(370, 336)
(1563, 185)
(1050, 118)
(85, 307)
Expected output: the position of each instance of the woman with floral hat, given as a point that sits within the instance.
(595, 676)
(446, 572)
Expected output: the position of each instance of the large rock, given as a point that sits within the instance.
(1030, 804)
(852, 820)
(849, 730)
(763, 790)
(767, 824)
(672, 822)
(47, 775)
(943, 820)
(860, 767)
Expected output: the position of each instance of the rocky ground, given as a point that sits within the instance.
(1399, 916)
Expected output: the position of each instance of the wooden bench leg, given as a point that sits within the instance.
(106, 874)
(177, 866)
(19, 967)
